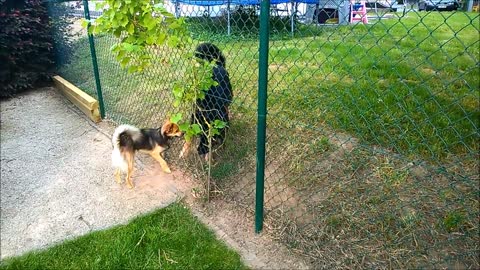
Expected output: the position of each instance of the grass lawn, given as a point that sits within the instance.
(169, 238)
(409, 85)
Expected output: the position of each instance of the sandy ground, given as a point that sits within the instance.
(57, 183)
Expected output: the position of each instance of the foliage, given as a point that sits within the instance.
(30, 30)
(195, 83)
(247, 20)
(138, 24)
(25, 45)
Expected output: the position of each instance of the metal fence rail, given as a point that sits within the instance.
(372, 131)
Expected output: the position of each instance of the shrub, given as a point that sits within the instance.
(245, 19)
(26, 45)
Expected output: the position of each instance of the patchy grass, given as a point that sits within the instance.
(358, 208)
(169, 238)
(236, 152)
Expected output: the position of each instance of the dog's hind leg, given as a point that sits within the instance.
(155, 153)
(117, 176)
(130, 160)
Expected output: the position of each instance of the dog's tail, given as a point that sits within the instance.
(123, 140)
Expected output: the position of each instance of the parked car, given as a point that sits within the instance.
(439, 5)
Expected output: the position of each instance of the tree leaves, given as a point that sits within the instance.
(140, 24)
(27, 35)
(176, 118)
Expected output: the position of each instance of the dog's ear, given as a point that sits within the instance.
(170, 129)
(166, 127)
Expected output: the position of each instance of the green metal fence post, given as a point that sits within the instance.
(262, 113)
(94, 62)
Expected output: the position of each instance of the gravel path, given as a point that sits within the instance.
(56, 179)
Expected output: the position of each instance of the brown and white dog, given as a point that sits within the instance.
(127, 140)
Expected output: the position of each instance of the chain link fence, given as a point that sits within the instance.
(372, 128)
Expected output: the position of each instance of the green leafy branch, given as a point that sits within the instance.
(138, 24)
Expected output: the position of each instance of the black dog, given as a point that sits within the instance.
(217, 99)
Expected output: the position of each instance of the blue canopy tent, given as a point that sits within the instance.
(208, 3)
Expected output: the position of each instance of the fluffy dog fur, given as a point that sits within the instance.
(127, 140)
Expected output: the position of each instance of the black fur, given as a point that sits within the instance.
(146, 140)
(210, 52)
(217, 99)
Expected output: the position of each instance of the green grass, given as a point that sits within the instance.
(236, 152)
(169, 238)
(409, 84)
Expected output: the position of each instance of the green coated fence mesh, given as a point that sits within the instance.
(372, 127)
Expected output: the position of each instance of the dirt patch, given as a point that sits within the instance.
(235, 226)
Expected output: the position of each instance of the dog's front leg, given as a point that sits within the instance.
(156, 155)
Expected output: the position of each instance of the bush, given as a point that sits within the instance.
(245, 19)
(26, 45)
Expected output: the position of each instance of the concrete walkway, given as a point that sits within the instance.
(56, 179)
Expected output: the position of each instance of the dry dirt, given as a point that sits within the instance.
(57, 184)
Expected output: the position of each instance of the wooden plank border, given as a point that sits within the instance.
(82, 100)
